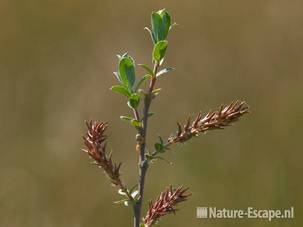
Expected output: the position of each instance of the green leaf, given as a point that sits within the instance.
(142, 225)
(134, 100)
(139, 82)
(157, 27)
(136, 123)
(159, 147)
(147, 68)
(126, 118)
(166, 22)
(165, 70)
(159, 50)
(161, 24)
(127, 71)
(132, 122)
(121, 89)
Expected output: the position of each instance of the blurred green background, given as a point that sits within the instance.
(56, 64)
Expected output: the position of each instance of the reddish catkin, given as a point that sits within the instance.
(95, 142)
(165, 204)
(218, 119)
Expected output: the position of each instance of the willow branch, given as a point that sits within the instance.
(141, 144)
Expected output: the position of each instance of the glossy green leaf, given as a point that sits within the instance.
(166, 22)
(127, 70)
(121, 89)
(161, 24)
(165, 70)
(157, 28)
(134, 100)
(159, 50)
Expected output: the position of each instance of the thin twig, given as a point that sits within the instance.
(143, 163)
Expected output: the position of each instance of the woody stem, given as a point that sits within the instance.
(143, 163)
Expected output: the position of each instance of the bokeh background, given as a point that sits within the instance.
(56, 64)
